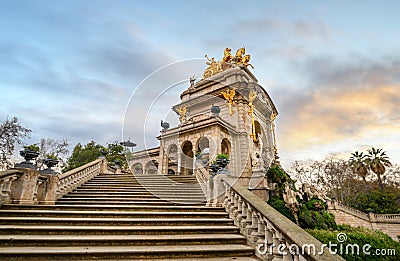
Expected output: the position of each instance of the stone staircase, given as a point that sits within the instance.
(119, 216)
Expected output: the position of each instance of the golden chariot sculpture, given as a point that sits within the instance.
(228, 61)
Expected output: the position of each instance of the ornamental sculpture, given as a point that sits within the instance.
(252, 97)
(182, 111)
(228, 95)
(228, 61)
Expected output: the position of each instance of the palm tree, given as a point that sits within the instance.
(358, 162)
(377, 161)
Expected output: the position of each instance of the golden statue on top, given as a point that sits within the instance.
(228, 61)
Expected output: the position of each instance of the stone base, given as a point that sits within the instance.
(23, 202)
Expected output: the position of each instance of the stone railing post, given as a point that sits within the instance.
(5, 188)
(103, 165)
(47, 189)
(23, 189)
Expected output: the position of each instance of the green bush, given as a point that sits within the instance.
(276, 174)
(32, 147)
(222, 156)
(376, 201)
(279, 204)
(315, 219)
(360, 236)
(51, 156)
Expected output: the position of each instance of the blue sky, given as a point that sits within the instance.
(69, 68)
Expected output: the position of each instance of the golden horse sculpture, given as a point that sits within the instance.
(239, 55)
(228, 61)
(229, 95)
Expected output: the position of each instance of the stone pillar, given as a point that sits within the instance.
(47, 189)
(24, 188)
(194, 160)
(161, 162)
(179, 155)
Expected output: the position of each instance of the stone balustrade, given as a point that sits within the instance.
(387, 223)
(72, 179)
(7, 178)
(273, 235)
(202, 176)
(28, 186)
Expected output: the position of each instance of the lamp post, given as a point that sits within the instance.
(128, 144)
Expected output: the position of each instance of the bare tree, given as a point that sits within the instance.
(11, 134)
(57, 148)
(330, 176)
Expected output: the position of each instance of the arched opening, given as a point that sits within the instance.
(225, 146)
(172, 156)
(151, 167)
(258, 128)
(203, 150)
(137, 168)
(187, 158)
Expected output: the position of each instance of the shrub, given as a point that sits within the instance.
(279, 204)
(51, 156)
(376, 201)
(222, 156)
(360, 236)
(32, 147)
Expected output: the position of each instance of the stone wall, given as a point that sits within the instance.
(387, 223)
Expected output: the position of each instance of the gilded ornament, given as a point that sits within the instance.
(252, 97)
(182, 111)
(229, 95)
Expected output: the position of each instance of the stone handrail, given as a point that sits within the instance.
(72, 179)
(370, 217)
(387, 218)
(202, 176)
(271, 233)
(27, 185)
(6, 179)
(350, 210)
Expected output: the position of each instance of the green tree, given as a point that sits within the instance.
(116, 152)
(11, 134)
(358, 162)
(84, 154)
(92, 151)
(377, 161)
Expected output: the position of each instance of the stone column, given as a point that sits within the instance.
(162, 163)
(179, 155)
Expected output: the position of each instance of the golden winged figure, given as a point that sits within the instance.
(182, 113)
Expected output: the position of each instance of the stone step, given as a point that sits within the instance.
(113, 207)
(113, 214)
(84, 221)
(101, 187)
(108, 202)
(125, 252)
(129, 196)
(134, 199)
(114, 230)
(119, 240)
(129, 191)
